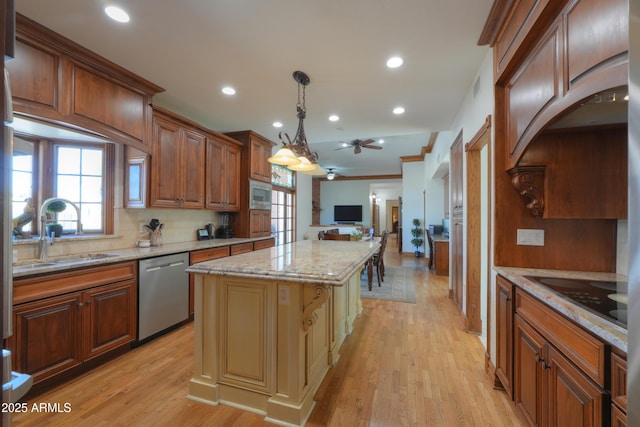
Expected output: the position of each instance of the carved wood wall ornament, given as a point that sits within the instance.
(529, 183)
(321, 294)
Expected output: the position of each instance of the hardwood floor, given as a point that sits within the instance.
(404, 365)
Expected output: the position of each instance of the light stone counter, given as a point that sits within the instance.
(600, 327)
(28, 267)
(268, 324)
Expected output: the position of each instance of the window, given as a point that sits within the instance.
(79, 174)
(22, 184)
(283, 205)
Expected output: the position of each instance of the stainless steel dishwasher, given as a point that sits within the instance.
(163, 293)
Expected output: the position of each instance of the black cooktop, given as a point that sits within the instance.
(606, 299)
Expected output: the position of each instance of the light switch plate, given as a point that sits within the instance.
(528, 237)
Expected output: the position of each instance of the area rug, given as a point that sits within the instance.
(397, 286)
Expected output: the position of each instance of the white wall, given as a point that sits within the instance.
(303, 205)
(470, 118)
(412, 202)
(352, 192)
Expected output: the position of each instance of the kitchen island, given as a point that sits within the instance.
(268, 324)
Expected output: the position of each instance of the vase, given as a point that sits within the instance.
(54, 230)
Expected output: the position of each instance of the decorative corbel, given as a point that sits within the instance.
(529, 183)
(321, 295)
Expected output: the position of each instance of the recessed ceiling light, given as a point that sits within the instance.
(398, 110)
(277, 124)
(116, 14)
(394, 62)
(228, 90)
(334, 118)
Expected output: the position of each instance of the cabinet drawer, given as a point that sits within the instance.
(619, 381)
(263, 244)
(584, 350)
(241, 248)
(208, 254)
(47, 285)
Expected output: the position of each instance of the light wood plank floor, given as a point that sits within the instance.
(404, 365)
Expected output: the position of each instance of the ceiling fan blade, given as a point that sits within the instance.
(373, 147)
(367, 142)
(342, 148)
(357, 150)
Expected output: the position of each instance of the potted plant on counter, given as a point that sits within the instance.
(54, 229)
(416, 232)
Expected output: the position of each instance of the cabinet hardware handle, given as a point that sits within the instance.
(539, 359)
(88, 302)
(508, 299)
(79, 305)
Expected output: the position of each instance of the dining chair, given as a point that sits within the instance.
(432, 253)
(378, 258)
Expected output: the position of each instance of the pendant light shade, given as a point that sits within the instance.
(284, 157)
(303, 165)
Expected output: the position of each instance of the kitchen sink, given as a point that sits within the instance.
(80, 258)
(32, 264)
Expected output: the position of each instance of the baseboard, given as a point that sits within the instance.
(490, 369)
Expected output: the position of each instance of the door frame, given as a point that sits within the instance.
(475, 221)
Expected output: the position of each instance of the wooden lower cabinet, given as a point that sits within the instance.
(549, 389)
(260, 223)
(264, 244)
(618, 391)
(504, 333)
(54, 334)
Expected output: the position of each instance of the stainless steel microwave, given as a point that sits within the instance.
(259, 195)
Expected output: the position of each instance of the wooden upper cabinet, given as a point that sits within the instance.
(222, 174)
(257, 152)
(549, 57)
(53, 78)
(34, 76)
(177, 164)
(597, 34)
(260, 167)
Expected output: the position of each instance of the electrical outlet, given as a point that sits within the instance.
(530, 237)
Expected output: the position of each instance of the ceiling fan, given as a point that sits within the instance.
(359, 144)
(331, 174)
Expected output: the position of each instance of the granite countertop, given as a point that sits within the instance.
(330, 262)
(68, 262)
(608, 331)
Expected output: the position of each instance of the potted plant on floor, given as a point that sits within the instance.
(53, 228)
(416, 232)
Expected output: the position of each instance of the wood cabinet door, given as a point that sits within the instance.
(232, 177)
(504, 334)
(223, 176)
(529, 377)
(47, 336)
(260, 167)
(260, 223)
(574, 400)
(191, 169)
(166, 182)
(109, 317)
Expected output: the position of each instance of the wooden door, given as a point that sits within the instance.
(109, 317)
(47, 336)
(529, 376)
(457, 215)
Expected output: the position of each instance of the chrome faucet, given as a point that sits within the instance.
(42, 247)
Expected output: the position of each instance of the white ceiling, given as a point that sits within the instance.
(194, 47)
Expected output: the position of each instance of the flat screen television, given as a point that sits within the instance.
(347, 213)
